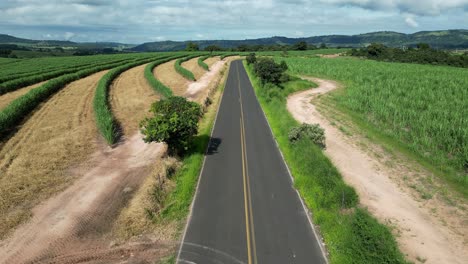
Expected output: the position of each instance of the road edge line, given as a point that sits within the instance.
(202, 168)
(306, 210)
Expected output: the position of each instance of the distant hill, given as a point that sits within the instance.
(7, 39)
(445, 39)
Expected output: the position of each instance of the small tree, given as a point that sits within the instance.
(191, 46)
(174, 121)
(212, 48)
(251, 58)
(301, 45)
(323, 46)
(269, 71)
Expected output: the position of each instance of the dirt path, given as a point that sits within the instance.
(422, 236)
(166, 74)
(34, 161)
(7, 98)
(131, 97)
(192, 65)
(71, 226)
(197, 91)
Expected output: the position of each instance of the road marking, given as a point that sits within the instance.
(250, 230)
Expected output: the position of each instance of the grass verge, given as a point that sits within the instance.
(351, 234)
(179, 200)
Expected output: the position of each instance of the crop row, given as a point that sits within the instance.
(32, 79)
(17, 110)
(201, 62)
(105, 120)
(183, 71)
(158, 86)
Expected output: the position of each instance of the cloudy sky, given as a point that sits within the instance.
(136, 21)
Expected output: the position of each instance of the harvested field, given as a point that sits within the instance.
(198, 91)
(166, 74)
(212, 60)
(74, 226)
(192, 65)
(131, 97)
(34, 161)
(7, 98)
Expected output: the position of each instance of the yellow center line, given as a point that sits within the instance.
(247, 195)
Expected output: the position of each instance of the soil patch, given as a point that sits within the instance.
(167, 74)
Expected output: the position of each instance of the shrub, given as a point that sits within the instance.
(174, 121)
(269, 71)
(251, 59)
(313, 132)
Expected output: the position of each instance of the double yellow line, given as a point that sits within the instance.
(249, 223)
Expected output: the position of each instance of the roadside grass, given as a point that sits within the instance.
(179, 200)
(351, 234)
(416, 110)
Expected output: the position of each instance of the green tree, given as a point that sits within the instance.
(174, 121)
(301, 45)
(191, 46)
(323, 46)
(423, 46)
(269, 71)
(251, 58)
(212, 48)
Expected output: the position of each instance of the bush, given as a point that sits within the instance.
(269, 71)
(174, 121)
(313, 132)
(251, 59)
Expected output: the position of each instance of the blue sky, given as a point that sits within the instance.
(137, 21)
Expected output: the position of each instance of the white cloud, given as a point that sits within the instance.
(409, 20)
(420, 7)
(68, 35)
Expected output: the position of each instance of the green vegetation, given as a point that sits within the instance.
(174, 121)
(313, 132)
(351, 234)
(158, 86)
(17, 110)
(105, 120)
(182, 71)
(269, 71)
(423, 54)
(421, 108)
(202, 63)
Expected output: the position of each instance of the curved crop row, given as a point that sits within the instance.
(18, 83)
(105, 121)
(158, 86)
(182, 71)
(201, 62)
(17, 110)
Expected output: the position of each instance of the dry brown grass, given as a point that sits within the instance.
(212, 60)
(192, 65)
(166, 74)
(135, 220)
(131, 97)
(34, 162)
(7, 98)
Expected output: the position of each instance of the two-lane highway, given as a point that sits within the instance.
(246, 209)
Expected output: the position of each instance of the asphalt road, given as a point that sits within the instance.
(245, 209)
